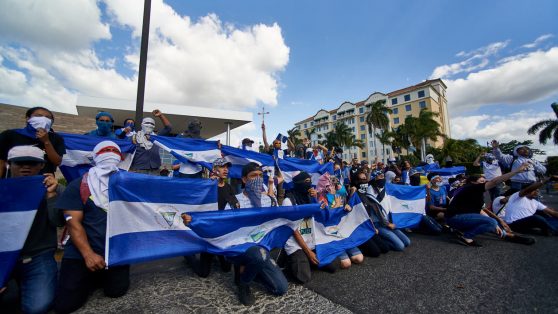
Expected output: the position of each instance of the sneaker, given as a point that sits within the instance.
(245, 295)
(473, 243)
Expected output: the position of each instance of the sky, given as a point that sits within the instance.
(499, 59)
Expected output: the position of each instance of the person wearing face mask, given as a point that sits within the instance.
(491, 169)
(85, 203)
(104, 121)
(146, 158)
(300, 247)
(466, 213)
(256, 261)
(193, 130)
(37, 132)
(128, 130)
(437, 198)
(36, 271)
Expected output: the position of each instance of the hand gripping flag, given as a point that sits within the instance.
(337, 230)
(144, 220)
(79, 154)
(20, 201)
(239, 157)
(192, 153)
(405, 203)
(232, 232)
(290, 167)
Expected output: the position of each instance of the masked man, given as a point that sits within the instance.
(104, 123)
(147, 159)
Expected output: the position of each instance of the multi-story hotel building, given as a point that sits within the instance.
(408, 101)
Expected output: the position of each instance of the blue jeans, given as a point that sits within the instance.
(396, 239)
(472, 224)
(37, 282)
(258, 263)
(349, 253)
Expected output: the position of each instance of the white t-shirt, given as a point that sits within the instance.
(521, 207)
(306, 229)
(492, 170)
(496, 205)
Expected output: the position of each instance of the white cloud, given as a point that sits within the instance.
(524, 79)
(197, 63)
(537, 41)
(476, 59)
(503, 128)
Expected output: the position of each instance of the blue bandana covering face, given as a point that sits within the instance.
(253, 189)
(103, 127)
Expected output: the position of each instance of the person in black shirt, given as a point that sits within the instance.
(37, 132)
(466, 214)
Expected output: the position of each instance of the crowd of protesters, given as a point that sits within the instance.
(504, 201)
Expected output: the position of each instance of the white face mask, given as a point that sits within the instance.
(147, 128)
(438, 183)
(363, 187)
(40, 123)
(107, 161)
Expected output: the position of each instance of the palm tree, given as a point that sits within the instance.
(461, 150)
(351, 142)
(308, 133)
(549, 128)
(377, 118)
(294, 136)
(422, 128)
(342, 134)
(330, 139)
(385, 139)
(399, 139)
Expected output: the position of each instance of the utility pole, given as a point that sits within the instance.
(143, 62)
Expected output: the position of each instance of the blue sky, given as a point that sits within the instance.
(319, 54)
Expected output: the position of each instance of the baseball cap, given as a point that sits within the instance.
(249, 167)
(26, 153)
(220, 162)
(247, 141)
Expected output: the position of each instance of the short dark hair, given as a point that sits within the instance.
(128, 119)
(30, 111)
(472, 178)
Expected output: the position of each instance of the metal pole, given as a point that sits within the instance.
(228, 133)
(143, 62)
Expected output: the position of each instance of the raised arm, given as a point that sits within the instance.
(504, 159)
(264, 137)
(494, 182)
(476, 163)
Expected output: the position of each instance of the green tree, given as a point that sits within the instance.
(384, 138)
(351, 142)
(548, 128)
(399, 139)
(330, 140)
(378, 118)
(507, 148)
(460, 151)
(342, 134)
(422, 128)
(308, 132)
(294, 136)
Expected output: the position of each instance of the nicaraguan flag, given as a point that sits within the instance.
(447, 173)
(337, 230)
(79, 154)
(283, 139)
(290, 167)
(20, 200)
(192, 153)
(405, 203)
(239, 157)
(144, 220)
(232, 232)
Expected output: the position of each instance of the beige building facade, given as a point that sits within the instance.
(408, 101)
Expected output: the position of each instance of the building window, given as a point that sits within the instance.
(362, 127)
(395, 120)
(394, 101)
(408, 107)
(407, 97)
(361, 119)
(334, 117)
(387, 151)
(305, 125)
(363, 154)
(312, 123)
(363, 136)
(353, 128)
(395, 110)
(361, 110)
(420, 93)
(422, 104)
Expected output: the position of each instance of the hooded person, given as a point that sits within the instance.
(127, 130)
(104, 122)
(191, 170)
(38, 132)
(521, 155)
(193, 130)
(147, 158)
(85, 203)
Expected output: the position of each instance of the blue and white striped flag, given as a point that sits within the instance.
(192, 153)
(290, 167)
(20, 200)
(239, 157)
(79, 154)
(144, 220)
(447, 173)
(232, 232)
(283, 140)
(405, 203)
(337, 230)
